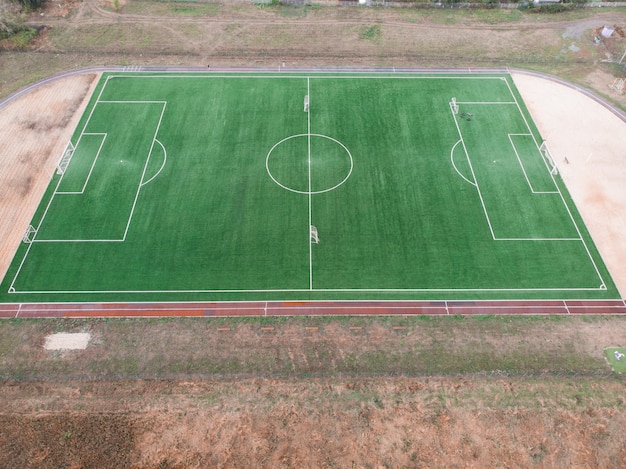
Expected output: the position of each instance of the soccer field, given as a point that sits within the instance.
(319, 186)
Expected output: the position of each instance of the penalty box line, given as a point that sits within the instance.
(128, 223)
(139, 185)
(580, 237)
(480, 195)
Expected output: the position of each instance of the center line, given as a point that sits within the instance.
(308, 92)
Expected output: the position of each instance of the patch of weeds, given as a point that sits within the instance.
(18, 36)
(195, 9)
(372, 33)
(67, 435)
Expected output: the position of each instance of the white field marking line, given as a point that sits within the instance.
(162, 165)
(331, 290)
(308, 118)
(93, 164)
(454, 165)
(519, 160)
(201, 305)
(493, 236)
(130, 216)
(602, 287)
(117, 101)
(322, 75)
(582, 240)
(30, 245)
(469, 161)
(486, 102)
(269, 172)
(101, 240)
(145, 167)
(537, 239)
(12, 286)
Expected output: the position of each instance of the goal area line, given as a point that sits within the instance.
(440, 308)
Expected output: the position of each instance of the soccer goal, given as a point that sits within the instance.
(65, 159)
(547, 156)
(314, 236)
(618, 85)
(306, 103)
(454, 106)
(30, 234)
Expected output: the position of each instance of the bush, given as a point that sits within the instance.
(30, 4)
(18, 36)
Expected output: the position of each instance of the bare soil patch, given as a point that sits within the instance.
(429, 422)
(340, 402)
(35, 131)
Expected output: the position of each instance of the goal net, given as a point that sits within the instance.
(454, 106)
(65, 159)
(30, 234)
(547, 156)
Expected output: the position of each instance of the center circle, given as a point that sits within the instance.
(309, 163)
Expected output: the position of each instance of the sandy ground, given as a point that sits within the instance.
(35, 130)
(588, 143)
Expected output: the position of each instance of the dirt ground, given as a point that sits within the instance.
(325, 421)
(325, 411)
(362, 423)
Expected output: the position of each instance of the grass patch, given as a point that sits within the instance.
(372, 33)
(616, 357)
(154, 348)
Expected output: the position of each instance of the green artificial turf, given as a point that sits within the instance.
(204, 187)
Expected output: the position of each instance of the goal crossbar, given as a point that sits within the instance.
(65, 159)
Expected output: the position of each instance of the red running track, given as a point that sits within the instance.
(310, 308)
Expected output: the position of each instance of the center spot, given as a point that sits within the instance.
(309, 163)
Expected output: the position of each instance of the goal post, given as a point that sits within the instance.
(65, 159)
(547, 156)
(29, 235)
